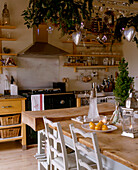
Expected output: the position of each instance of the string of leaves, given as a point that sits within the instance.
(124, 22)
(64, 14)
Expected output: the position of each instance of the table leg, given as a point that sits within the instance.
(23, 131)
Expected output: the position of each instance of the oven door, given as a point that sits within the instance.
(59, 101)
(101, 99)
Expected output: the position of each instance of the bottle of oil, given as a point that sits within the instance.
(5, 15)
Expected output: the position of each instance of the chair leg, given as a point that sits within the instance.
(40, 167)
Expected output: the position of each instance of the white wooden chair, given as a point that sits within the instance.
(56, 147)
(79, 148)
(41, 156)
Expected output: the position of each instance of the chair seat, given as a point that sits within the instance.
(71, 161)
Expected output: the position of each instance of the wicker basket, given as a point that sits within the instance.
(9, 120)
(8, 133)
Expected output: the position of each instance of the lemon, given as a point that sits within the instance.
(92, 125)
(98, 127)
(104, 127)
(101, 123)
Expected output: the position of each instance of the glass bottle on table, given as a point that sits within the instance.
(93, 110)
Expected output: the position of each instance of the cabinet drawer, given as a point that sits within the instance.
(10, 107)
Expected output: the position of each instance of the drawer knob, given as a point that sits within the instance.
(3, 107)
(62, 101)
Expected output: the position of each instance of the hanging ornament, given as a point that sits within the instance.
(130, 33)
(50, 29)
(76, 37)
(104, 38)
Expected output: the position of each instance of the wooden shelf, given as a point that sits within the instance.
(7, 66)
(10, 126)
(7, 27)
(14, 54)
(93, 42)
(96, 33)
(92, 55)
(7, 39)
(93, 67)
(10, 139)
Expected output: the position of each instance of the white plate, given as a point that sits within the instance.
(110, 128)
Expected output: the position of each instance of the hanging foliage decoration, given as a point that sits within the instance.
(62, 14)
(123, 23)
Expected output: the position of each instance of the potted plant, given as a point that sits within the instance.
(123, 83)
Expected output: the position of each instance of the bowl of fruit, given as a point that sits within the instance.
(99, 127)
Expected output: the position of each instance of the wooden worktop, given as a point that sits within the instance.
(112, 144)
(35, 118)
(11, 97)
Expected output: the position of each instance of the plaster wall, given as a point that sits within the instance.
(21, 33)
(30, 67)
(130, 51)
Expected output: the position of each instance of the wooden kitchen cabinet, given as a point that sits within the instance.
(11, 106)
(5, 39)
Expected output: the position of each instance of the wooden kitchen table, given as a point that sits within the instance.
(118, 152)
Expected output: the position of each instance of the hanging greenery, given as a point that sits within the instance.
(64, 14)
(123, 23)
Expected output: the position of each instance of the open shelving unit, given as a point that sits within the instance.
(92, 67)
(6, 39)
(10, 107)
(98, 55)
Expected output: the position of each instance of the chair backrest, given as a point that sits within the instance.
(78, 147)
(54, 139)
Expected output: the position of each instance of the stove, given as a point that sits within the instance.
(54, 98)
(85, 95)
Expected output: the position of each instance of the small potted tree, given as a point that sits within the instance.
(123, 83)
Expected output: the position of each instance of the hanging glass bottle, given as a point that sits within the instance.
(5, 15)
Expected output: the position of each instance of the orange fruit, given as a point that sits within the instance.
(98, 127)
(92, 125)
(101, 123)
(104, 127)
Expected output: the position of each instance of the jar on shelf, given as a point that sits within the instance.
(89, 61)
(113, 61)
(5, 15)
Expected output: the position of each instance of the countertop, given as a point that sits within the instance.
(11, 97)
(35, 118)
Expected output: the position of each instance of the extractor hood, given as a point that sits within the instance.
(41, 47)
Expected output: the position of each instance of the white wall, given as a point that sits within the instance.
(130, 51)
(21, 33)
(24, 38)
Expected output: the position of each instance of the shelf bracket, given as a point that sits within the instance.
(75, 69)
(1, 71)
(106, 69)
